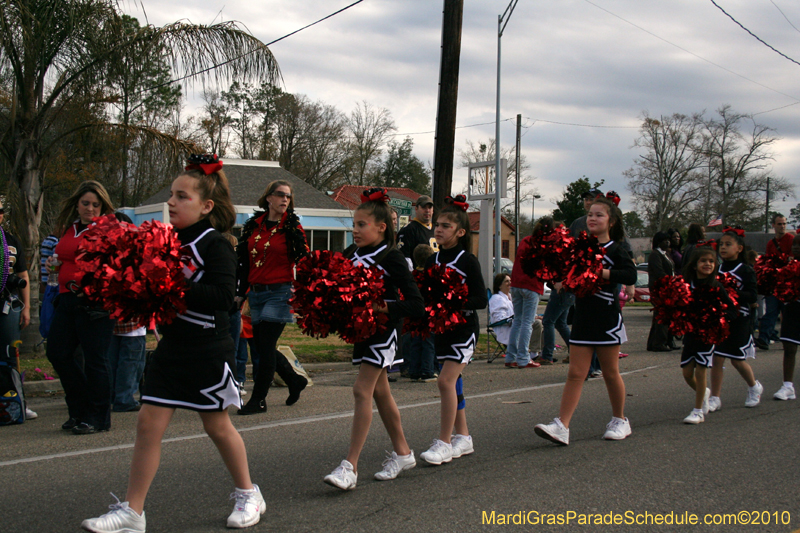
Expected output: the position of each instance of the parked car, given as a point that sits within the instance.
(642, 267)
(506, 265)
(641, 291)
(545, 297)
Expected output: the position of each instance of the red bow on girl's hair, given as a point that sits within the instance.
(614, 197)
(208, 163)
(737, 230)
(376, 194)
(706, 244)
(460, 201)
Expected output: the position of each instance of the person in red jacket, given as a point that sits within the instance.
(271, 243)
(525, 294)
(76, 322)
(780, 244)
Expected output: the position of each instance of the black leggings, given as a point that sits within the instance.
(266, 335)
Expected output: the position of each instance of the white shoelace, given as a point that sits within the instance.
(390, 464)
(615, 424)
(119, 506)
(241, 499)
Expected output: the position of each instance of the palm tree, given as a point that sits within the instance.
(54, 49)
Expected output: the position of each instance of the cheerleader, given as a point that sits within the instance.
(454, 348)
(700, 270)
(790, 336)
(739, 346)
(373, 235)
(192, 368)
(597, 325)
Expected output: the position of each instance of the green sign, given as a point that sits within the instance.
(403, 204)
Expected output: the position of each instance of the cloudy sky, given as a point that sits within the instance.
(580, 72)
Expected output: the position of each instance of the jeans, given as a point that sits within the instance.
(87, 389)
(241, 360)
(555, 318)
(235, 320)
(525, 302)
(419, 354)
(126, 358)
(766, 330)
(9, 326)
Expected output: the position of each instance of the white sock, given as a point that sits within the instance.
(246, 490)
(788, 384)
(698, 411)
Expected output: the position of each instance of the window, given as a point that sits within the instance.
(506, 249)
(320, 239)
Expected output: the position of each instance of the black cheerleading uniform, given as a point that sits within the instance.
(459, 344)
(381, 349)
(740, 344)
(693, 348)
(598, 319)
(192, 366)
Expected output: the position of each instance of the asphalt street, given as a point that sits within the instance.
(741, 463)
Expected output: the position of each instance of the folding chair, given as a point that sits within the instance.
(500, 348)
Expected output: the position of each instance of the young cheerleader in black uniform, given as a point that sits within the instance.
(454, 349)
(739, 346)
(790, 336)
(597, 325)
(373, 235)
(700, 270)
(192, 368)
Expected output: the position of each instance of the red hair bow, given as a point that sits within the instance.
(460, 201)
(707, 244)
(207, 163)
(737, 231)
(376, 194)
(614, 197)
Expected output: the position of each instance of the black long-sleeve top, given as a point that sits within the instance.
(210, 270)
(746, 285)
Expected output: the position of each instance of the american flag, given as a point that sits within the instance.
(716, 222)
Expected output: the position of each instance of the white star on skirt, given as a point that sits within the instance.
(225, 392)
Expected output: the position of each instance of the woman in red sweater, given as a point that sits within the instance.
(76, 322)
(272, 242)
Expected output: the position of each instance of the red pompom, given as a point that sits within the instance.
(332, 295)
(711, 309)
(444, 293)
(671, 297)
(766, 268)
(731, 285)
(584, 276)
(548, 257)
(136, 274)
(787, 286)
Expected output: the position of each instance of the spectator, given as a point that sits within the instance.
(418, 231)
(501, 308)
(420, 351)
(781, 243)
(16, 293)
(696, 234)
(675, 247)
(659, 265)
(555, 318)
(78, 323)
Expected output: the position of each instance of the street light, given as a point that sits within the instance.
(498, 240)
(533, 208)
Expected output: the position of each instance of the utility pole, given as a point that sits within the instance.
(766, 220)
(517, 172)
(445, 140)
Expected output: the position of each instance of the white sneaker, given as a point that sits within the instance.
(242, 392)
(30, 414)
(394, 464)
(754, 395)
(694, 418)
(785, 393)
(342, 476)
(555, 431)
(714, 404)
(462, 445)
(121, 519)
(439, 452)
(617, 429)
(706, 405)
(250, 505)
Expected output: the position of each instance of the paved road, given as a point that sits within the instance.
(739, 460)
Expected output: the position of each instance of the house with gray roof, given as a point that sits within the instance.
(327, 223)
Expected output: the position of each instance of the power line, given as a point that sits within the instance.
(757, 38)
(170, 82)
(692, 53)
(784, 16)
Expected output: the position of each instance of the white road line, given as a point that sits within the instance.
(291, 422)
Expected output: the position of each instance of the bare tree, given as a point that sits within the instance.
(214, 124)
(369, 129)
(664, 180)
(739, 164)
